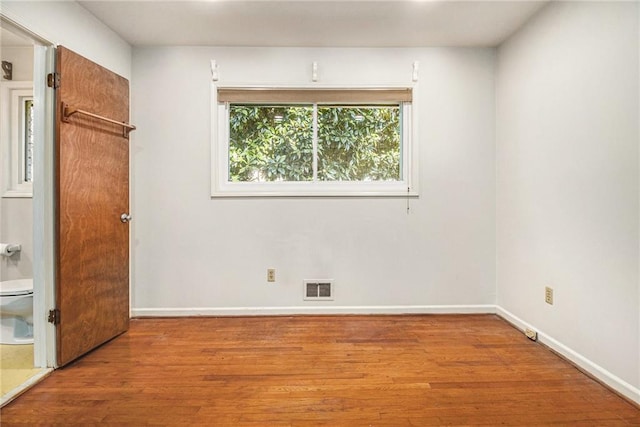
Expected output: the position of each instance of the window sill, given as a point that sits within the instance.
(17, 194)
(309, 189)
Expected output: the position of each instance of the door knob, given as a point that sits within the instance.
(125, 217)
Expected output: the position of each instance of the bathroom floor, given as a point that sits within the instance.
(16, 366)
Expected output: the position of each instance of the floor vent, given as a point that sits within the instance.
(318, 290)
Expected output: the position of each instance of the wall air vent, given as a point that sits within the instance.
(318, 290)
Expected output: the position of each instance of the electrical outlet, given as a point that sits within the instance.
(548, 295)
(531, 334)
(271, 275)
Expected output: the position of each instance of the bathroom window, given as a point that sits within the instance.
(17, 136)
(326, 142)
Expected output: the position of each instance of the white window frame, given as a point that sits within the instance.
(14, 94)
(221, 186)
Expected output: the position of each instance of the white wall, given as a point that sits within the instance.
(68, 24)
(192, 251)
(16, 226)
(567, 180)
(21, 57)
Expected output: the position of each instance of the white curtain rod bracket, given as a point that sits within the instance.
(214, 70)
(415, 71)
(314, 71)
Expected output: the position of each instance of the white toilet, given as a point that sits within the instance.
(16, 311)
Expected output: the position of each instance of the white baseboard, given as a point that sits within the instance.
(283, 311)
(585, 364)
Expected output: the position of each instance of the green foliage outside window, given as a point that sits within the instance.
(270, 143)
(275, 143)
(358, 143)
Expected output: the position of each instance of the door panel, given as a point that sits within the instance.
(92, 156)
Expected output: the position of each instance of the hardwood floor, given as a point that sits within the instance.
(321, 371)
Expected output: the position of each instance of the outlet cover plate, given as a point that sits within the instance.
(531, 334)
(548, 295)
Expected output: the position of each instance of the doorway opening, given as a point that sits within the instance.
(27, 348)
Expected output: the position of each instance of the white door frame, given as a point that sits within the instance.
(43, 194)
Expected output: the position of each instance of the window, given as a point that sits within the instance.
(17, 136)
(334, 142)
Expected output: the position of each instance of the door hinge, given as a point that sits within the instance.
(53, 80)
(54, 316)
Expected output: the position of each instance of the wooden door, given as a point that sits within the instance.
(92, 155)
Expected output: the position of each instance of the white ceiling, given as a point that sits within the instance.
(312, 23)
